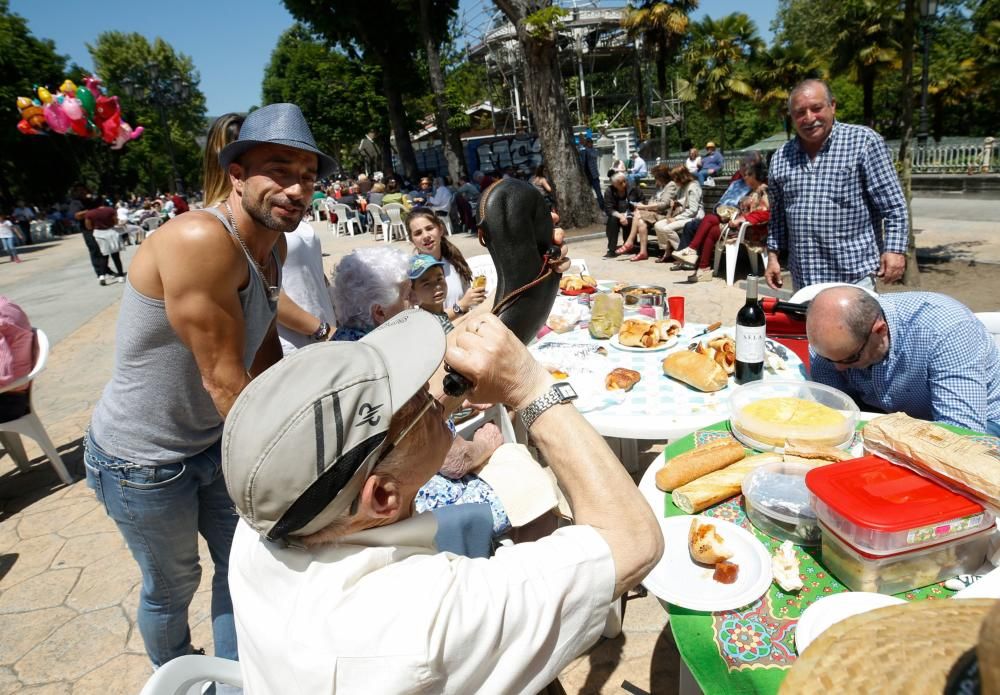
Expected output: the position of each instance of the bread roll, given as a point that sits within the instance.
(621, 378)
(690, 465)
(699, 371)
(705, 544)
(668, 328)
(718, 486)
(633, 332)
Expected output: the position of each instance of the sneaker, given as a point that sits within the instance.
(101, 279)
(120, 279)
(688, 255)
(709, 181)
(702, 275)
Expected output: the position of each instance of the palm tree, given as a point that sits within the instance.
(662, 25)
(777, 72)
(719, 59)
(867, 45)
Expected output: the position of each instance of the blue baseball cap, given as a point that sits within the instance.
(421, 263)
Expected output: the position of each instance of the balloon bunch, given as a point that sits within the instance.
(84, 111)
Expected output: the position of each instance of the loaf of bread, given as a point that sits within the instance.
(699, 371)
(691, 465)
(964, 463)
(718, 486)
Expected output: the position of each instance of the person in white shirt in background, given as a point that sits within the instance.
(121, 212)
(338, 587)
(693, 162)
(305, 306)
(8, 230)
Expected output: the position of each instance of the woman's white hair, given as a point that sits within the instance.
(364, 278)
(618, 178)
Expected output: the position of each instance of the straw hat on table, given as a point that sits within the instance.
(922, 647)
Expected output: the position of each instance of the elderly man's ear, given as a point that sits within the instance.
(381, 498)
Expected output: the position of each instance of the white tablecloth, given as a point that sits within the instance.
(658, 407)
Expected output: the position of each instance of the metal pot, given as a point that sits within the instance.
(655, 296)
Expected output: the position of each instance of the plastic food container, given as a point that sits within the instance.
(881, 509)
(778, 502)
(892, 574)
(766, 414)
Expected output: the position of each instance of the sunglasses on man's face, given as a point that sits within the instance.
(854, 357)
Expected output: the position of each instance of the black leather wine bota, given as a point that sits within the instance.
(516, 226)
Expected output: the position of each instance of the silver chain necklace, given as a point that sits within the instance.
(272, 290)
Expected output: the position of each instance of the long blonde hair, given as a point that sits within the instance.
(215, 181)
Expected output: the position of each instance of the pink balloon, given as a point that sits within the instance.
(57, 119)
(139, 130)
(72, 108)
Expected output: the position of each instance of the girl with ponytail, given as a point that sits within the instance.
(427, 233)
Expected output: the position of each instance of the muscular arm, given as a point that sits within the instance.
(201, 272)
(295, 318)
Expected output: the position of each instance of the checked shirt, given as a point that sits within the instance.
(828, 211)
(942, 364)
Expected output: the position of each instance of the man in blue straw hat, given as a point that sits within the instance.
(196, 324)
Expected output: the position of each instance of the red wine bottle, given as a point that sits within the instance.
(750, 337)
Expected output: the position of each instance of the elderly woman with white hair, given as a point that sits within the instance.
(619, 200)
(370, 286)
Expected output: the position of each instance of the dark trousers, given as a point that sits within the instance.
(97, 259)
(596, 184)
(25, 226)
(614, 230)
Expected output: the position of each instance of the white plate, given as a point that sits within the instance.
(683, 582)
(615, 343)
(831, 609)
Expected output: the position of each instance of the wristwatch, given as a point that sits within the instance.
(560, 392)
(321, 332)
(458, 309)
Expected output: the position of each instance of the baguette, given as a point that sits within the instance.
(971, 466)
(699, 371)
(718, 486)
(684, 468)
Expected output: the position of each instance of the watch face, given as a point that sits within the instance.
(565, 391)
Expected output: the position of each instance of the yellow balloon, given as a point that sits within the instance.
(44, 95)
(68, 88)
(23, 103)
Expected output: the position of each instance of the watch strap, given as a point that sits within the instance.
(560, 392)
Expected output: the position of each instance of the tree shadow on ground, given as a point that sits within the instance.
(20, 489)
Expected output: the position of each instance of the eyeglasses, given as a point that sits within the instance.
(854, 357)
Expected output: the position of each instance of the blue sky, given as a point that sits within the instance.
(230, 41)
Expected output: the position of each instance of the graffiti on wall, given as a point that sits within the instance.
(518, 151)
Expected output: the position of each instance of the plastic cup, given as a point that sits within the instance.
(676, 306)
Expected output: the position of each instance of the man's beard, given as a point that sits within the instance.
(262, 216)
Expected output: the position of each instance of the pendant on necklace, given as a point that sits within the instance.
(273, 293)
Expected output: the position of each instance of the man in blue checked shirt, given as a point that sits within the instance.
(918, 352)
(833, 190)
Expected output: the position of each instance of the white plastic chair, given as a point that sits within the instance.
(149, 225)
(186, 675)
(29, 424)
(483, 265)
(732, 246)
(496, 414)
(991, 319)
(378, 221)
(345, 220)
(395, 213)
(445, 217)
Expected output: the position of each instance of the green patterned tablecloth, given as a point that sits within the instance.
(749, 650)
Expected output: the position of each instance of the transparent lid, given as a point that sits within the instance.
(779, 490)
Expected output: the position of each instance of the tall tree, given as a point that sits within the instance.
(384, 35)
(719, 60)
(537, 22)
(350, 102)
(176, 120)
(663, 24)
(434, 15)
(867, 45)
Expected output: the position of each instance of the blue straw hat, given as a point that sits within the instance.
(277, 124)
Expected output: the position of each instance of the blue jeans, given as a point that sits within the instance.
(160, 510)
(703, 174)
(8, 246)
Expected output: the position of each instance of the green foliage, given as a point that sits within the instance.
(341, 97)
(544, 23)
(664, 26)
(120, 58)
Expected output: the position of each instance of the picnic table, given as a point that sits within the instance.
(751, 648)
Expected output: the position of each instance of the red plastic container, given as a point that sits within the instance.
(882, 509)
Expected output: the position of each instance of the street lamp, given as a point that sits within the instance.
(928, 9)
(165, 92)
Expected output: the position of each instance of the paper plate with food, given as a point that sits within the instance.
(646, 335)
(709, 565)
(574, 285)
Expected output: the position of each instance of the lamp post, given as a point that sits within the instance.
(928, 9)
(165, 92)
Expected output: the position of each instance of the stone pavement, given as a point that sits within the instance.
(68, 586)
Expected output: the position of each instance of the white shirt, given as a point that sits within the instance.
(383, 612)
(693, 165)
(122, 214)
(304, 281)
(6, 229)
(456, 285)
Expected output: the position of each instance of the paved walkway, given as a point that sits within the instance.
(68, 586)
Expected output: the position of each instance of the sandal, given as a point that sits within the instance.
(624, 248)
(640, 257)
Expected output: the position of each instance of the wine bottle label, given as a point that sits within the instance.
(749, 343)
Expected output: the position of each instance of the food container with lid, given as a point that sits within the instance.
(777, 502)
(880, 508)
(644, 295)
(765, 415)
(892, 574)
